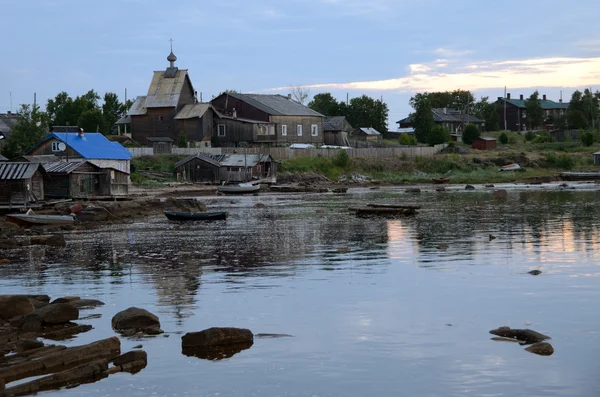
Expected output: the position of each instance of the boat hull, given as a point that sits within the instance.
(239, 189)
(28, 220)
(195, 216)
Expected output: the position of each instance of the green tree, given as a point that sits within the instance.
(112, 110)
(486, 111)
(325, 104)
(458, 99)
(576, 119)
(437, 135)
(365, 111)
(182, 139)
(422, 118)
(31, 127)
(535, 113)
(64, 110)
(470, 134)
(407, 140)
(503, 138)
(587, 138)
(91, 120)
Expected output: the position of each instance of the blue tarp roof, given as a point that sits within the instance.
(93, 145)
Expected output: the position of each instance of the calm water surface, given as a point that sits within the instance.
(373, 306)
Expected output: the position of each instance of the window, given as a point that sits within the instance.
(284, 130)
(221, 130)
(314, 130)
(55, 147)
(160, 118)
(299, 129)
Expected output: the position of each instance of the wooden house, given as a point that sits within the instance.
(265, 119)
(596, 158)
(516, 112)
(484, 143)
(82, 180)
(153, 115)
(336, 130)
(21, 183)
(197, 122)
(235, 167)
(452, 120)
(367, 134)
(161, 144)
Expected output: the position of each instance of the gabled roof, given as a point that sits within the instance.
(486, 138)
(334, 123)
(159, 139)
(16, 171)
(164, 90)
(7, 122)
(2, 158)
(139, 107)
(276, 105)
(42, 158)
(193, 111)
(63, 167)
(126, 119)
(370, 131)
(92, 145)
(546, 104)
(202, 157)
(447, 115)
(238, 160)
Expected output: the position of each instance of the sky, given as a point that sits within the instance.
(389, 49)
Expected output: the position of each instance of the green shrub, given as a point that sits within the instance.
(437, 135)
(562, 161)
(342, 159)
(587, 138)
(503, 138)
(542, 137)
(181, 139)
(406, 139)
(451, 144)
(513, 140)
(136, 178)
(470, 134)
(529, 136)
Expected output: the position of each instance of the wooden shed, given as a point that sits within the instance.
(597, 158)
(161, 144)
(21, 183)
(226, 168)
(198, 168)
(484, 143)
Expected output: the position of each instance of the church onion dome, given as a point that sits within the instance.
(171, 57)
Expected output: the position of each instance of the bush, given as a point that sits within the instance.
(342, 159)
(513, 140)
(406, 139)
(470, 134)
(562, 161)
(503, 138)
(182, 139)
(529, 136)
(437, 135)
(587, 138)
(543, 137)
(136, 178)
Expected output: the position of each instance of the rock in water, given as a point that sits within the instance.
(58, 313)
(542, 349)
(469, 187)
(217, 337)
(15, 305)
(525, 336)
(535, 272)
(135, 319)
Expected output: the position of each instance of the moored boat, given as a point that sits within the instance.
(29, 219)
(440, 180)
(239, 188)
(195, 216)
(511, 167)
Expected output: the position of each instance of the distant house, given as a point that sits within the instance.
(161, 144)
(336, 130)
(484, 143)
(367, 134)
(82, 179)
(265, 119)
(197, 122)
(516, 112)
(451, 119)
(21, 183)
(7, 122)
(202, 168)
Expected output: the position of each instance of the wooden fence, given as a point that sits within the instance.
(279, 153)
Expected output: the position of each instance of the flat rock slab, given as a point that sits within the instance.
(58, 313)
(524, 336)
(130, 357)
(217, 337)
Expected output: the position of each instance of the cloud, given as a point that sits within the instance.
(528, 73)
(450, 53)
(589, 45)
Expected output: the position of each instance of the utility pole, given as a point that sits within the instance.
(10, 94)
(505, 127)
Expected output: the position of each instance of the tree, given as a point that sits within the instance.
(503, 138)
(325, 104)
(31, 127)
(535, 113)
(182, 139)
(300, 94)
(487, 112)
(458, 99)
(576, 119)
(91, 120)
(422, 118)
(470, 134)
(365, 111)
(112, 110)
(587, 138)
(437, 135)
(64, 110)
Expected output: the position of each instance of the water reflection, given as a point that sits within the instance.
(216, 352)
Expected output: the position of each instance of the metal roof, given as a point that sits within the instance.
(238, 160)
(447, 115)
(164, 90)
(7, 122)
(124, 120)
(42, 159)
(193, 111)
(370, 131)
(17, 171)
(92, 145)
(65, 128)
(63, 167)
(546, 104)
(486, 138)
(202, 157)
(139, 107)
(335, 123)
(277, 105)
(2, 158)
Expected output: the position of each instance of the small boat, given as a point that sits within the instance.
(196, 216)
(239, 188)
(579, 176)
(511, 167)
(440, 180)
(29, 219)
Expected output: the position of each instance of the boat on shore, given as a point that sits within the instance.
(30, 219)
(196, 216)
(439, 180)
(511, 167)
(239, 188)
(579, 176)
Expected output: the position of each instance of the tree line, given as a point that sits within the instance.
(84, 111)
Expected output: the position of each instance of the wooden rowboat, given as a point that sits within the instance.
(35, 219)
(440, 180)
(240, 188)
(196, 216)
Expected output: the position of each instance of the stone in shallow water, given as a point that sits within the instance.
(535, 272)
(542, 349)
